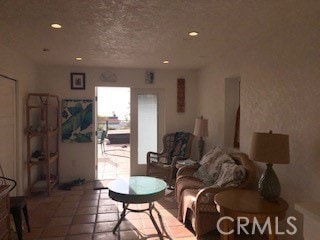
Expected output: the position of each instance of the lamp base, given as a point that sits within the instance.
(269, 185)
(200, 146)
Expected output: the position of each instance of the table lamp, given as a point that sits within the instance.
(201, 130)
(272, 149)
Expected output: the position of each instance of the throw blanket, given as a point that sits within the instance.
(231, 175)
(179, 145)
(221, 172)
(225, 172)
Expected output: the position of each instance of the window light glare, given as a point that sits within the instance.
(165, 61)
(193, 33)
(56, 25)
(79, 58)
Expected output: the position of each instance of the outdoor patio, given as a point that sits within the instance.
(114, 162)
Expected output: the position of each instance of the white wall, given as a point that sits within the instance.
(56, 80)
(16, 66)
(280, 92)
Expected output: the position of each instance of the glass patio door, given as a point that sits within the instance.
(147, 126)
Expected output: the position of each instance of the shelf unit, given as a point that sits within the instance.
(42, 120)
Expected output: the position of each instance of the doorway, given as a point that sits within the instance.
(113, 132)
(232, 112)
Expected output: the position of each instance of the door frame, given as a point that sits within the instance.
(16, 159)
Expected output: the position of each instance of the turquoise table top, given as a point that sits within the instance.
(137, 189)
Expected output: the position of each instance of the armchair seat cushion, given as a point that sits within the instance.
(187, 183)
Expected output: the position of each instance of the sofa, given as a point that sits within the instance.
(195, 186)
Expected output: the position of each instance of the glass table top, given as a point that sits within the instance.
(137, 185)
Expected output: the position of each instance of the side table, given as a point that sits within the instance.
(238, 203)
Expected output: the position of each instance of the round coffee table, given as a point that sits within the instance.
(137, 189)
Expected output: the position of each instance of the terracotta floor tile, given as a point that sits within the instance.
(180, 231)
(107, 209)
(103, 202)
(105, 226)
(105, 236)
(79, 237)
(48, 205)
(54, 238)
(64, 212)
(38, 221)
(133, 216)
(81, 228)
(69, 204)
(131, 224)
(104, 195)
(33, 234)
(172, 221)
(72, 198)
(90, 196)
(53, 199)
(55, 231)
(131, 235)
(88, 203)
(151, 233)
(88, 218)
(86, 210)
(107, 217)
(60, 221)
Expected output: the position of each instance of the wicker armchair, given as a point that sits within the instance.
(176, 146)
(196, 200)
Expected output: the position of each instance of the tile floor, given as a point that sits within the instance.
(83, 213)
(86, 214)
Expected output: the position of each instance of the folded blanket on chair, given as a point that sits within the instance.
(180, 145)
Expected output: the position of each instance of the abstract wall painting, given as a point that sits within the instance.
(76, 120)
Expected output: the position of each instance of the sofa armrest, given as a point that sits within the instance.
(205, 198)
(187, 171)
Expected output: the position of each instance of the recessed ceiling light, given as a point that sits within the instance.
(79, 58)
(193, 33)
(165, 61)
(56, 25)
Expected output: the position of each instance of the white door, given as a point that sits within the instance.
(147, 126)
(8, 127)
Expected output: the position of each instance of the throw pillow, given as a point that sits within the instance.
(203, 175)
(214, 167)
(212, 155)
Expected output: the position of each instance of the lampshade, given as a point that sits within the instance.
(270, 148)
(201, 127)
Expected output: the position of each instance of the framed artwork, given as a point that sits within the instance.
(78, 81)
(76, 120)
(181, 95)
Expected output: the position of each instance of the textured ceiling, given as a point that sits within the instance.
(140, 34)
